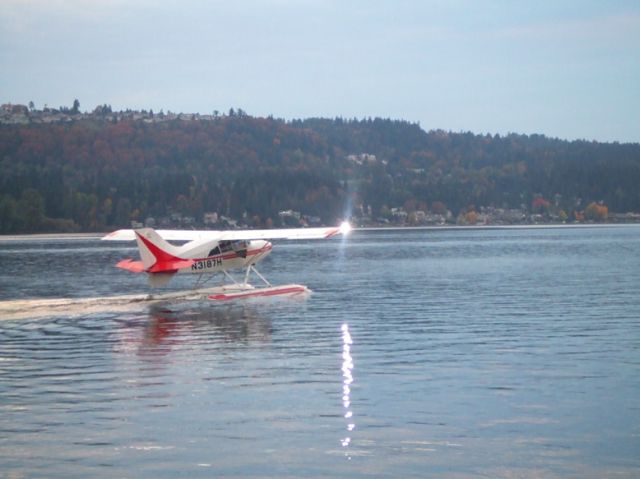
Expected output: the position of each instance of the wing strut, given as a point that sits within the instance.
(253, 268)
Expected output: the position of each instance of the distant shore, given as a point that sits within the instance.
(98, 235)
(50, 236)
(497, 227)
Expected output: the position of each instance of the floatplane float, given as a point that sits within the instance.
(208, 253)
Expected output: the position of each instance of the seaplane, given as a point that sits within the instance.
(207, 253)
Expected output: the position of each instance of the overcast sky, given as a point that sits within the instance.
(567, 69)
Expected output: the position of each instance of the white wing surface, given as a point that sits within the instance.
(169, 235)
(191, 235)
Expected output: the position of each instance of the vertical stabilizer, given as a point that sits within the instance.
(153, 249)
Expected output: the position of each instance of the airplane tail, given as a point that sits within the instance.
(157, 255)
(153, 248)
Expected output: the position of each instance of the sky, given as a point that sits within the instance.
(566, 69)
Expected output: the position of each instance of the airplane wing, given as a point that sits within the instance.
(169, 235)
(291, 233)
(191, 235)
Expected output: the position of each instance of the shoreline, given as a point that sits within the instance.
(98, 235)
(497, 227)
(50, 236)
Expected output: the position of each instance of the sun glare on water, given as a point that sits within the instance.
(345, 228)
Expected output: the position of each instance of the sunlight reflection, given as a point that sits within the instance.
(345, 228)
(347, 380)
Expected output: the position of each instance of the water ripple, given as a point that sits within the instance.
(474, 353)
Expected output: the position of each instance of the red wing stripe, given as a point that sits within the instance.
(332, 232)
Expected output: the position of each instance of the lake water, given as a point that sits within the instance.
(480, 353)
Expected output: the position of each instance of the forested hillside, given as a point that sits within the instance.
(95, 174)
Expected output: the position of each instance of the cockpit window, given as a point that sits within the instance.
(215, 251)
(225, 246)
(237, 246)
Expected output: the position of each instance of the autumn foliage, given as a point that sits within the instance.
(96, 174)
(596, 212)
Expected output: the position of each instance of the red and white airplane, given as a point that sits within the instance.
(213, 252)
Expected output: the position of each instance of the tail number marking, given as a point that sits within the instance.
(206, 264)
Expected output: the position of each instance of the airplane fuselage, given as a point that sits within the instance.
(209, 251)
(195, 257)
(221, 260)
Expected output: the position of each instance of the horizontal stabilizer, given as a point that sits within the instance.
(170, 266)
(160, 267)
(157, 257)
(131, 265)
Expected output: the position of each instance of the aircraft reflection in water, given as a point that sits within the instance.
(347, 380)
(165, 328)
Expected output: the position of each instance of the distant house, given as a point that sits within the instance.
(399, 213)
(16, 109)
(362, 158)
(210, 218)
(229, 222)
(291, 218)
(289, 214)
(420, 216)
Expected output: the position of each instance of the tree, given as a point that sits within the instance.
(540, 205)
(596, 212)
(9, 220)
(471, 218)
(31, 209)
(106, 210)
(123, 212)
(85, 211)
(439, 208)
(562, 215)
(76, 107)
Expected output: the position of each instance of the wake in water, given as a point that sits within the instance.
(71, 307)
(47, 307)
